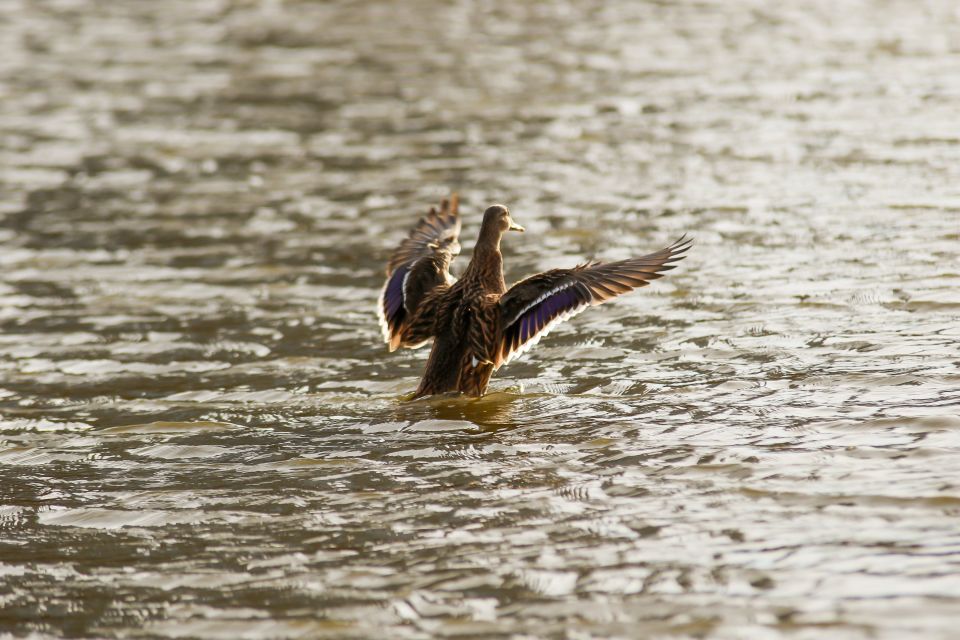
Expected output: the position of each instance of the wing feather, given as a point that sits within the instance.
(532, 307)
(436, 230)
(417, 267)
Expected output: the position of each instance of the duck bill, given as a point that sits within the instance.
(515, 227)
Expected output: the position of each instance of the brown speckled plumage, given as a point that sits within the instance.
(477, 324)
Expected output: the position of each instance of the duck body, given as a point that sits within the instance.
(476, 322)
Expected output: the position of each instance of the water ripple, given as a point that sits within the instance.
(201, 435)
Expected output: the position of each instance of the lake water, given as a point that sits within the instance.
(201, 433)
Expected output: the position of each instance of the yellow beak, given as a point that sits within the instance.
(515, 227)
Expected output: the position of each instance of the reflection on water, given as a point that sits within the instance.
(201, 435)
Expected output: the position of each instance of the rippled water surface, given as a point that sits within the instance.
(201, 433)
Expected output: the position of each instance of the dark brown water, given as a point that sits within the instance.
(200, 432)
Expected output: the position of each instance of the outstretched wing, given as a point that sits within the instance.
(418, 266)
(534, 306)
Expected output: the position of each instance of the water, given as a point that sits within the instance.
(201, 434)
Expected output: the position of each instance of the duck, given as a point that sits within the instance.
(478, 324)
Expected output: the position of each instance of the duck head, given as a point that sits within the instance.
(497, 217)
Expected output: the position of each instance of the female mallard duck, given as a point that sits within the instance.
(477, 323)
